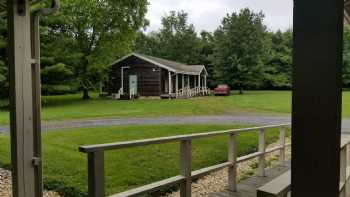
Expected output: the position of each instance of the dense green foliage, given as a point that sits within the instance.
(129, 168)
(86, 35)
(80, 41)
(241, 52)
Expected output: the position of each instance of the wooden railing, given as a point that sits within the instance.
(95, 153)
(344, 186)
(191, 92)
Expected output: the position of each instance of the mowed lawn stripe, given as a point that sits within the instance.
(72, 107)
(65, 169)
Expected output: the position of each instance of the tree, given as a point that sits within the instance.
(346, 65)
(3, 59)
(240, 49)
(278, 66)
(92, 34)
(206, 50)
(177, 40)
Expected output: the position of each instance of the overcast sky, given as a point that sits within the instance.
(207, 14)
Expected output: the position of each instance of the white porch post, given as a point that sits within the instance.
(199, 83)
(177, 85)
(188, 82)
(170, 83)
(205, 84)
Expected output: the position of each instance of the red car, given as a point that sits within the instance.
(222, 90)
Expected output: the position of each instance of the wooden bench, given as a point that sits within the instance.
(278, 187)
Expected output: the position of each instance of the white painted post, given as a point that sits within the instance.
(188, 82)
(343, 165)
(186, 162)
(205, 84)
(232, 157)
(282, 144)
(177, 85)
(122, 81)
(262, 149)
(199, 84)
(170, 84)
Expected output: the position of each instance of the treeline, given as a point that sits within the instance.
(78, 44)
(241, 52)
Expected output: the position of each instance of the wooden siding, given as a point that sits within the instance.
(148, 76)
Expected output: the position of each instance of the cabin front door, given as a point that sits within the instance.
(133, 85)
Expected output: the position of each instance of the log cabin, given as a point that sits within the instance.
(141, 75)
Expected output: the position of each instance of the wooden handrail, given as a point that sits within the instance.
(164, 140)
(276, 189)
(96, 160)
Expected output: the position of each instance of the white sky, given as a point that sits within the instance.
(207, 14)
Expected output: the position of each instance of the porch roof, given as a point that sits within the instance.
(168, 64)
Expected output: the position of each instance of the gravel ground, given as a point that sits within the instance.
(5, 185)
(217, 181)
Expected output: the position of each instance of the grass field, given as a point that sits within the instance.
(65, 169)
(69, 107)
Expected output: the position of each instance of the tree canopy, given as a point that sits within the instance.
(86, 35)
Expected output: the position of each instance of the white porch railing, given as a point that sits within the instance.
(192, 92)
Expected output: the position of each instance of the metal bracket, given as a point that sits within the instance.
(36, 161)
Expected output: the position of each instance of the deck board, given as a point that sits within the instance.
(248, 187)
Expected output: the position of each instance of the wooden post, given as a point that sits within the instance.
(283, 145)
(347, 184)
(36, 92)
(199, 83)
(186, 162)
(262, 150)
(317, 97)
(343, 165)
(205, 84)
(188, 81)
(26, 167)
(170, 84)
(96, 174)
(232, 157)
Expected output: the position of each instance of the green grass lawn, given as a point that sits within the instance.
(70, 107)
(65, 169)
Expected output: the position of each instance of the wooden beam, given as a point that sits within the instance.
(23, 147)
(317, 83)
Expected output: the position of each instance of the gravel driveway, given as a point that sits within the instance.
(222, 119)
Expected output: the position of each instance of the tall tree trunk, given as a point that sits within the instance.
(86, 94)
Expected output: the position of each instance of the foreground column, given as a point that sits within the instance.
(316, 118)
(26, 165)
